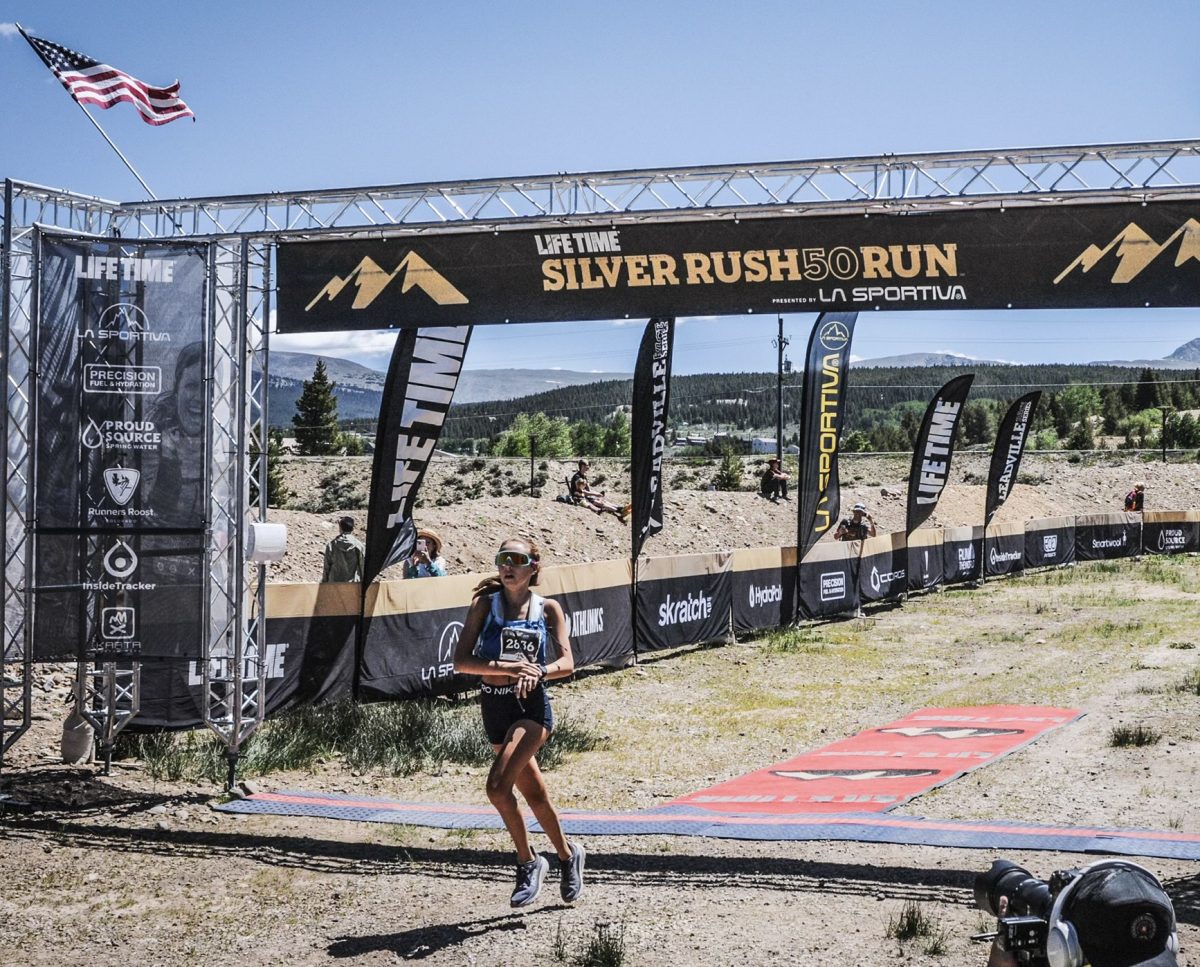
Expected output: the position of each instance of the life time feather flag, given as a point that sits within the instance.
(1010, 447)
(934, 449)
(421, 380)
(651, 405)
(822, 414)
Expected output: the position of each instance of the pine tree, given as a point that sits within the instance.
(276, 484)
(315, 421)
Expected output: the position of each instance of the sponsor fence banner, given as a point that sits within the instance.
(595, 598)
(1011, 437)
(1073, 256)
(421, 379)
(1171, 531)
(764, 588)
(829, 579)
(309, 655)
(651, 409)
(1049, 541)
(962, 554)
(683, 600)
(883, 567)
(934, 450)
(1101, 537)
(823, 412)
(1004, 549)
(924, 559)
(120, 494)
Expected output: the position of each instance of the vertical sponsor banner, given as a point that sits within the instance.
(1006, 456)
(421, 380)
(1171, 531)
(962, 554)
(826, 366)
(1049, 541)
(651, 406)
(883, 567)
(120, 495)
(828, 583)
(683, 600)
(764, 588)
(1101, 537)
(934, 450)
(1004, 549)
(925, 568)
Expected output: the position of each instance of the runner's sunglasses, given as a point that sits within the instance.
(513, 559)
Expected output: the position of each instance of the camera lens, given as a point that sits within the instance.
(1027, 895)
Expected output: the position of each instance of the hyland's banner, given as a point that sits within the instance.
(934, 450)
(1069, 256)
(683, 600)
(1171, 531)
(1101, 537)
(1049, 542)
(309, 659)
(651, 408)
(421, 380)
(764, 588)
(883, 567)
(962, 554)
(1004, 549)
(829, 580)
(122, 366)
(822, 414)
(924, 559)
(1011, 437)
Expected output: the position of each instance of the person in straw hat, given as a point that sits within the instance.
(426, 560)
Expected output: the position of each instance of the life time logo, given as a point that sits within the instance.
(121, 435)
(130, 269)
(765, 594)
(447, 642)
(125, 322)
(833, 586)
(370, 280)
(1133, 250)
(274, 656)
(683, 610)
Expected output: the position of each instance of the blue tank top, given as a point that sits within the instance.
(524, 638)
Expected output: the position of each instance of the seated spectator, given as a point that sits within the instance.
(1135, 498)
(343, 555)
(773, 484)
(857, 527)
(426, 560)
(594, 500)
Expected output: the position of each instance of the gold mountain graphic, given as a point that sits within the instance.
(371, 280)
(1136, 250)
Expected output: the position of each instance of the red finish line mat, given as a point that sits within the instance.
(880, 769)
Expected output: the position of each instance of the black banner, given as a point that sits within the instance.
(1004, 549)
(1039, 257)
(764, 588)
(962, 554)
(924, 559)
(1049, 542)
(829, 580)
(934, 450)
(1006, 455)
(683, 600)
(651, 408)
(1170, 532)
(421, 379)
(822, 413)
(1100, 537)
(883, 567)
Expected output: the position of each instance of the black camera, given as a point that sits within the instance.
(1023, 931)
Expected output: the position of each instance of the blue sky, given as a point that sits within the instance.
(303, 94)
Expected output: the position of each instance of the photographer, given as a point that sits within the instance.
(426, 560)
(857, 527)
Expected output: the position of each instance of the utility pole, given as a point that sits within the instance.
(781, 344)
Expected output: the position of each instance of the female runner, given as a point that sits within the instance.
(504, 640)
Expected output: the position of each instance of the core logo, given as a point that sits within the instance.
(833, 336)
(445, 654)
(1134, 250)
(769, 594)
(833, 586)
(686, 609)
(1050, 545)
(370, 280)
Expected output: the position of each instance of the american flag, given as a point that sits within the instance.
(90, 82)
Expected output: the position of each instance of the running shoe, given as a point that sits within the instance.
(572, 874)
(529, 880)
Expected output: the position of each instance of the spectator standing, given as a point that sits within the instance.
(343, 555)
(426, 560)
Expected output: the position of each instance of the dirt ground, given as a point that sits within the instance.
(124, 870)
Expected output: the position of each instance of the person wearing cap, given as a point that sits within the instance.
(343, 555)
(426, 559)
(595, 500)
(774, 481)
(857, 527)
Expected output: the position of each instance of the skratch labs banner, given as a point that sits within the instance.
(1068, 256)
(120, 495)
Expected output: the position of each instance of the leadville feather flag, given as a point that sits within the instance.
(826, 368)
(651, 405)
(934, 449)
(1011, 437)
(421, 380)
(90, 82)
